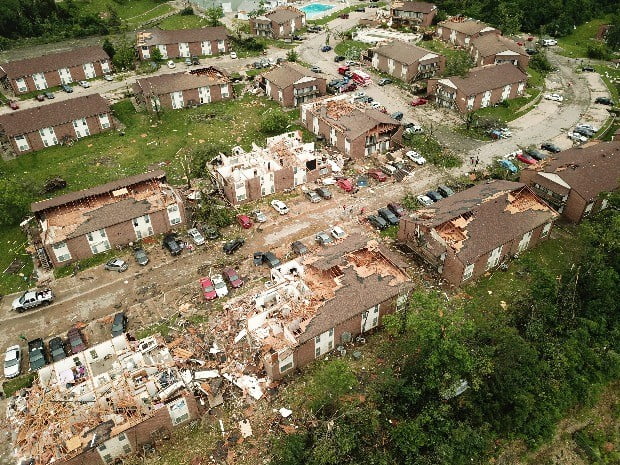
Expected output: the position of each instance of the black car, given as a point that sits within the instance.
(339, 58)
(323, 192)
(57, 349)
(36, 354)
(360, 9)
(604, 101)
(531, 51)
(266, 257)
(397, 209)
(535, 154)
(195, 60)
(67, 88)
(232, 246)
(587, 68)
(434, 196)
(377, 222)
(549, 147)
(398, 115)
(384, 82)
(172, 245)
(299, 248)
(48, 95)
(388, 216)
(119, 325)
(445, 190)
(140, 256)
(584, 131)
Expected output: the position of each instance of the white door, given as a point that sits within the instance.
(520, 88)
(163, 50)
(267, 184)
(224, 91)
(493, 260)
(315, 125)
(89, 70)
(48, 136)
(323, 343)
(206, 47)
(221, 46)
(370, 319)
(403, 72)
(184, 49)
(39, 81)
(177, 100)
(204, 93)
(98, 241)
(21, 84)
(81, 128)
(104, 121)
(22, 143)
(65, 76)
(146, 52)
(174, 214)
(142, 226)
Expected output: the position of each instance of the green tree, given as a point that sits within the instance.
(125, 54)
(612, 38)
(273, 122)
(108, 46)
(156, 55)
(540, 63)
(292, 55)
(202, 155)
(213, 16)
(213, 212)
(327, 387)
(598, 51)
(458, 63)
(509, 17)
(15, 199)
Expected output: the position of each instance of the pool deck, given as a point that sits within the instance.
(336, 5)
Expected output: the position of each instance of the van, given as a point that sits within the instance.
(389, 169)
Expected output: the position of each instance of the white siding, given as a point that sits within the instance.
(142, 226)
(89, 70)
(80, 126)
(323, 343)
(370, 319)
(48, 136)
(61, 250)
(22, 143)
(98, 241)
(174, 214)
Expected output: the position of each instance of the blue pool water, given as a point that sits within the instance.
(315, 8)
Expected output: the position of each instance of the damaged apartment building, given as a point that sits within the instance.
(323, 302)
(101, 404)
(476, 230)
(80, 224)
(286, 162)
(353, 128)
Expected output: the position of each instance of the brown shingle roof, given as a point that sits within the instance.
(489, 217)
(54, 61)
(417, 7)
(288, 73)
(53, 114)
(403, 52)
(166, 83)
(468, 27)
(111, 214)
(588, 170)
(282, 15)
(97, 190)
(492, 44)
(490, 77)
(161, 37)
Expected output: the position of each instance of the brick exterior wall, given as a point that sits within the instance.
(195, 49)
(119, 234)
(305, 353)
(274, 28)
(522, 61)
(357, 146)
(412, 70)
(189, 96)
(53, 77)
(426, 20)
(64, 130)
(140, 434)
(288, 93)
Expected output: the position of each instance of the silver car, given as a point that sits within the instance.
(116, 264)
(196, 236)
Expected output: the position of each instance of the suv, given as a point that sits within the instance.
(57, 349)
(604, 101)
(36, 354)
(119, 325)
(244, 221)
(377, 222)
(279, 206)
(116, 264)
(434, 196)
(299, 248)
(233, 278)
(535, 154)
(67, 88)
(141, 256)
(396, 208)
(196, 236)
(549, 147)
(12, 362)
(445, 190)
(323, 238)
(323, 192)
(232, 246)
(172, 245)
(388, 216)
(313, 196)
(345, 184)
(76, 340)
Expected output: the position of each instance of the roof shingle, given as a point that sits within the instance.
(492, 44)
(404, 52)
(417, 7)
(176, 82)
(288, 73)
(488, 78)
(161, 37)
(468, 27)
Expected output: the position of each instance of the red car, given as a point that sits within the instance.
(208, 290)
(345, 184)
(419, 101)
(349, 87)
(244, 221)
(378, 175)
(233, 278)
(76, 340)
(525, 158)
(13, 105)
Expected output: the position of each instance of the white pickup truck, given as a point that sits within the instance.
(32, 299)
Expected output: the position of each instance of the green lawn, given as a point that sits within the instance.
(575, 44)
(13, 246)
(11, 386)
(129, 9)
(351, 46)
(182, 22)
(610, 76)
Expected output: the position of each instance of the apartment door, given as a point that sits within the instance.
(81, 128)
(65, 76)
(39, 81)
(89, 70)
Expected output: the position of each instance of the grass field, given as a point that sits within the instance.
(13, 246)
(182, 22)
(575, 45)
(348, 46)
(131, 10)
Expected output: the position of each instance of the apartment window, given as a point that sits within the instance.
(545, 230)
(121, 437)
(126, 448)
(107, 458)
(102, 447)
(286, 364)
(174, 215)
(22, 143)
(469, 271)
(21, 85)
(494, 257)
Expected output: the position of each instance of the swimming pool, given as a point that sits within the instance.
(314, 9)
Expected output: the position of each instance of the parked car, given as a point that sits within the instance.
(337, 232)
(233, 55)
(231, 247)
(244, 221)
(377, 222)
(389, 169)
(377, 174)
(434, 196)
(384, 82)
(196, 236)
(388, 216)
(40, 97)
(535, 154)
(396, 208)
(425, 200)
(188, 62)
(397, 115)
(57, 349)
(577, 137)
(67, 88)
(220, 286)
(507, 164)
(108, 77)
(554, 97)
(323, 192)
(232, 277)
(279, 206)
(549, 147)
(415, 157)
(345, 184)
(587, 126)
(325, 48)
(119, 324)
(444, 190)
(413, 130)
(259, 216)
(339, 58)
(587, 68)
(361, 9)
(12, 362)
(170, 242)
(313, 196)
(604, 101)
(548, 42)
(531, 51)
(84, 84)
(525, 158)
(49, 95)
(299, 248)
(76, 340)
(32, 299)
(116, 264)
(140, 256)
(323, 238)
(171, 64)
(316, 69)
(418, 101)
(13, 105)
(584, 131)
(208, 289)
(37, 358)
(195, 60)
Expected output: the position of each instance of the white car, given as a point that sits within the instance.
(220, 286)
(233, 55)
(171, 64)
(376, 105)
(554, 97)
(425, 200)
(513, 155)
(279, 206)
(587, 126)
(337, 232)
(108, 77)
(84, 84)
(359, 94)
(415, 157)
(577, 137)
(12, 362)
(196, 236)
(259, 216)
